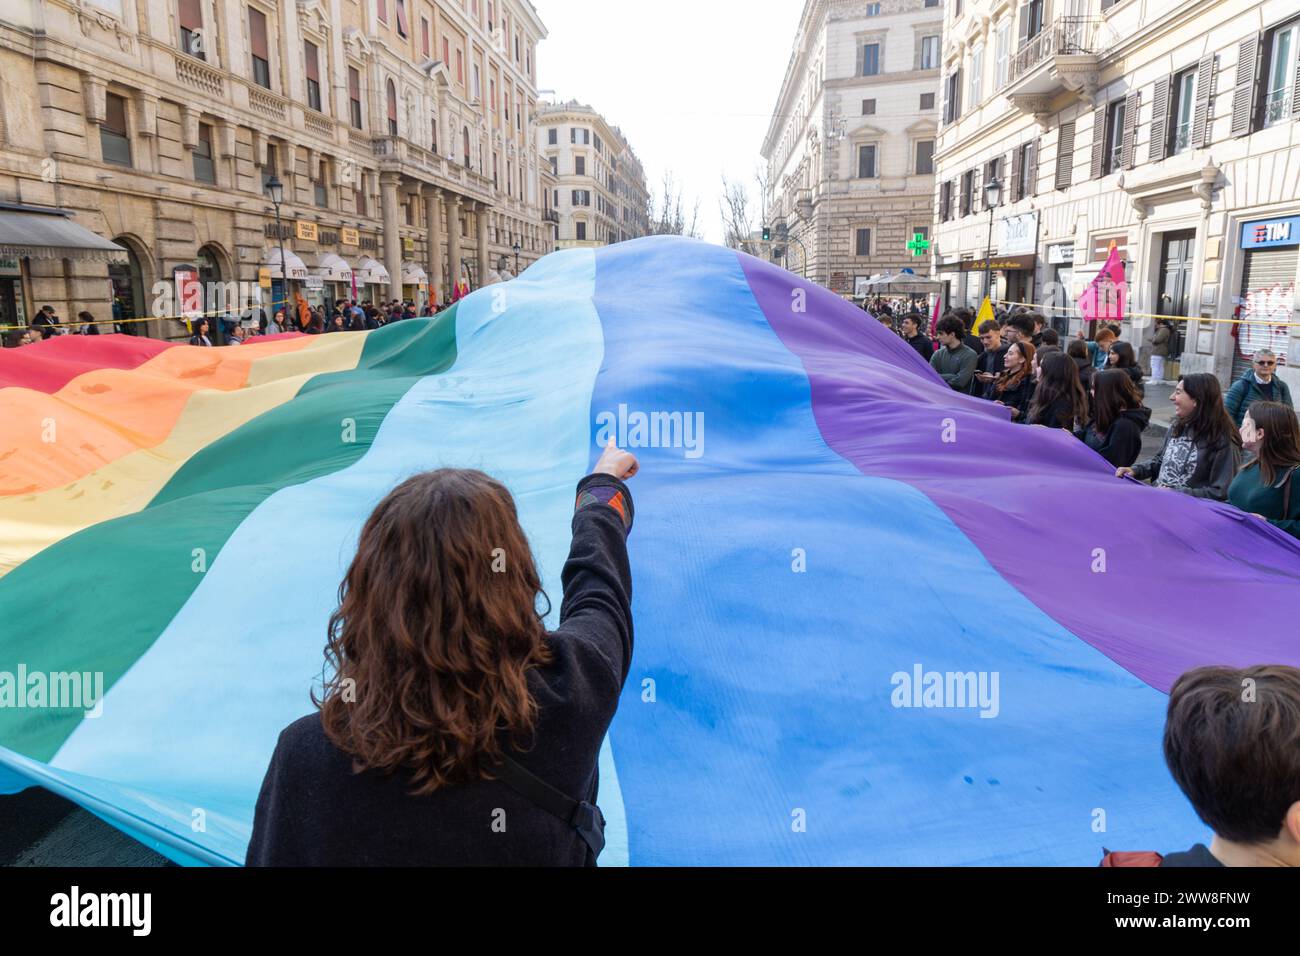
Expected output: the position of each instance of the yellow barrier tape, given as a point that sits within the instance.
(187, 319)
(1155, 315)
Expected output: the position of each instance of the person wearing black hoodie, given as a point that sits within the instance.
(1201, 450)
(1015, 386)
(1124, 358)
(1119, 419)
(1059, 400)
(915, 337)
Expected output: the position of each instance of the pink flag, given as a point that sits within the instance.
(1103, 300)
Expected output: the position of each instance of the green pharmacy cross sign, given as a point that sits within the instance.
(919, 245)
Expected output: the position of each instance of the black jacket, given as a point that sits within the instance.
(314, 811)
(988, 361)
(1059, 414)
(1122, 442)
(921, 342)
(1211, 472)
(1017, 396)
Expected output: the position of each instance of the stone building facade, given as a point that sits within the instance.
(402, 131)
(1168, 130)
(850, 147)
(600, 196)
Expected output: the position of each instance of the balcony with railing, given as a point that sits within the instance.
(1062, 56)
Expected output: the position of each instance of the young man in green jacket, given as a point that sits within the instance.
(955, 360)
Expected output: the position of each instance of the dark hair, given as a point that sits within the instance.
(913, 317)
(951, 325)
(1232, 743)
(1077, 349)
(1023, 324)
(1051, 337)
(1058, 380)
(1280, 449)
(1035, 318)
(1210, 421)
(432, 641)
(1113, 394)
(991, 328)
(1127, 357)
(1009, 379)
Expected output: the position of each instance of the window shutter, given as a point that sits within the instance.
(1202, 128)
(1015, 175)
(257, 34)
(1065, 155)
(943, 202)
(354, 83)
(392, 101)
(1024, 25)
(1295, 92)
(1243, 95)
(1160, 119)
(956, 95)
(191, 15)
(1098, 142)
(1128, 148)
(312, 61)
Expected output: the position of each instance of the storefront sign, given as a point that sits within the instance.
(350, 237)
(307, 231)
(314, 282)
(1018, 235)
(285, 232)
(408, 245)
(1061, 254)
(264, 277)
(10, 267)
(1270, 233)
(999, 264)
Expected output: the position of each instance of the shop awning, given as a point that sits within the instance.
(413, 274)
(371, 272)
(330, 267)
(51, 234)
(294, 266)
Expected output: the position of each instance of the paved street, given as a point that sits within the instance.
(41, 829)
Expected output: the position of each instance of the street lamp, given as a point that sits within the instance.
(518, 249)
(992, 199)
(275, 191)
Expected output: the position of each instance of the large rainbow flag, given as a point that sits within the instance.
(837, 545)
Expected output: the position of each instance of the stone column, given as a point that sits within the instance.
(453, 238)
(433, 240)
(484, 267)
(392, 232)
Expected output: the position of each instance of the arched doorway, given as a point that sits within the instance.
(215, 303)
(127, 281)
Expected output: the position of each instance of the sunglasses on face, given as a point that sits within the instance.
(1266, 364)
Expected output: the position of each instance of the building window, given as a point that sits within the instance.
(1002, 56)
(1031, 20)
(977, 74)
(446, 53)
(967, 192)
(205, 170)
(870, 59)
(460, 67)
(873, 9)
(952, 97)
(579, 166)
(269, 168)
(581, 137)
(1281, 76)
(581, 197)
(1114, 147)
(402, 29)
(862, 242)
(930, 53)
(581, 231)
(927, 101)
(259, 47)
(359, 199)
(1181, 109)
(868, 107)
(312, 59)
(552, 137)
(555, 166)
(478, 86)
(867, 162)
(1026, 170)
(392, 108)
(112, 132)
(424, 36)
(925, 157)
(354, 96)
(382, 10)
(190, 14)
(931, 3)
(464, 133)
(321, 193)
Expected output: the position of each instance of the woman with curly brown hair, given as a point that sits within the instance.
(453, 728)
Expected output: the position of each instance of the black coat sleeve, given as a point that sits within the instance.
(1123, 443)
(1223, 468)
(274, 841)
(597, 578)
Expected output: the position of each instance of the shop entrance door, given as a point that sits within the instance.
(1177, 253)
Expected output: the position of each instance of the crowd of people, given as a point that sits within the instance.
(1243, 448)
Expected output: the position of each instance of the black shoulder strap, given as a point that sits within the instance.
(582, 816)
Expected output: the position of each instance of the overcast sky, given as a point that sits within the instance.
(692, 83)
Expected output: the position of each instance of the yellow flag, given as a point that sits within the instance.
(985, 315)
